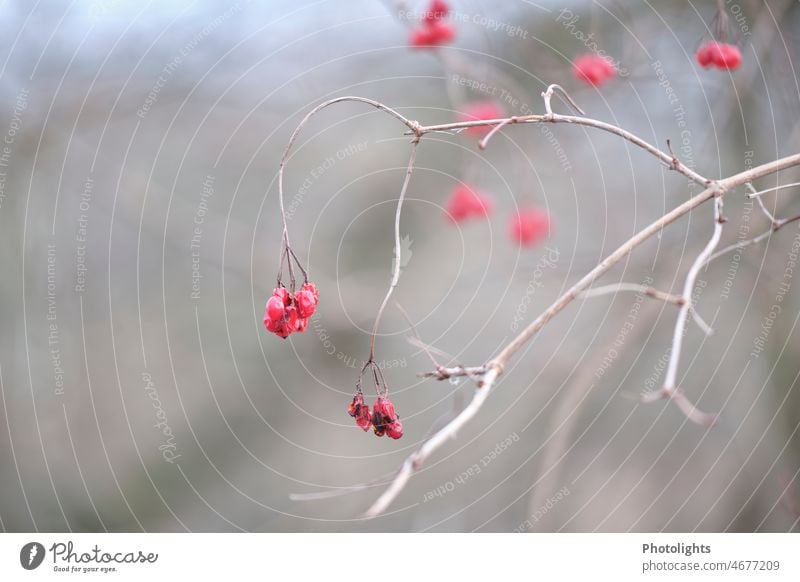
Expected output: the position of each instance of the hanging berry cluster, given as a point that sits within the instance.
(288, 311)
(383, 419)
(434, 30)
(719, 54)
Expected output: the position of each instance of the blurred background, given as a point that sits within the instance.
(140, 233)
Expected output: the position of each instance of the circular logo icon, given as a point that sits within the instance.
(31, 555)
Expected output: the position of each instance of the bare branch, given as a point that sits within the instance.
(397, 247)
(670, 379)
(643, 289)
(755, 194)
(668, 160)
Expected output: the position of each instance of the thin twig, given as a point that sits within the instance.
(397, 248)
(678, 300)
(667, 159)
(670, 388)
(485, 141)
(755, 240)
(755, 194)
(413, 127)
(643, 289)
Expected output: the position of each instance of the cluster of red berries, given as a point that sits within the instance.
(593, 68)
(528, 227)
(433, 31)
(481, 111)
(383, 420)
(286, 313)
(719, 54)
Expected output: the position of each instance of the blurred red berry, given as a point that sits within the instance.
(432, 34)
(437, 10)
(719, 54)
(593, 68)
(465, 202)
(433, 31)
(529, 226)
(478, 111)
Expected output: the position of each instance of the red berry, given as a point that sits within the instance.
(529, 226)
(730, 57)
(478, 111)
(703, 56)
(421, 37)
(432, 34)
(384, 418)
(437, 10)
(465, 202)
(283, 294)
(306, 303)
(395, 429)
(719, 54)
(593, 69)
(274, 310)
(301, 324)
(360, 411)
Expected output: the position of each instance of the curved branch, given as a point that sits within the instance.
(413, 127)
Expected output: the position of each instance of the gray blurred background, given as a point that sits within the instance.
(140, 232)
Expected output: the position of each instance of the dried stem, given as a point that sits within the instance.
(397, 249)
(668, 160)
(755, 194)
(413, 127)
(777, 225)
(670, 380)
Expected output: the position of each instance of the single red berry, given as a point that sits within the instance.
(308, 286)
(395, 429)
(730, 57)
(360, 411)
(421, 37)
(480, 111)
(283, 294)
(465, 202)
(274, 310)
(306, 303)
(384, 416)
(432, 34)
(437, 10)
(593, 69)
(529, 226)
(703, 56)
